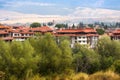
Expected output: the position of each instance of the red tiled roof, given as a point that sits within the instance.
(3, 32)
(42, 29)
(86, 30)
(92, 35)
(116, 31)
(67, 31)
(27, 32)
(23, 31)
(75, 32)
(5, 27)
(15, 31)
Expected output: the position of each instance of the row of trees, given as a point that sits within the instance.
(80, 25)
(43, 55)
(92, 25)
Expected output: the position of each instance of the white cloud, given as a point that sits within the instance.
(68, 9)
(79, 14)
(94, 12)
(19, 4)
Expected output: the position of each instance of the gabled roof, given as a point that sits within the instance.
(67, 31)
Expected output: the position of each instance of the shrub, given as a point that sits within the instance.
(109, 75)
(80, 76)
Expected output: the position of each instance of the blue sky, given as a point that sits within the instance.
(55, 7)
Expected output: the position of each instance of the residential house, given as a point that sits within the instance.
(86, 36)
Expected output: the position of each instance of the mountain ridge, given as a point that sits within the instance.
(79, 14)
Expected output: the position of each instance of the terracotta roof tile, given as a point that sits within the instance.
(3, 32)
(42, 29)
(86, 30)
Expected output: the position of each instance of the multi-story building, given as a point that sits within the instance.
(21, 33)
(115, 35)
(86, 36)
(4, 33)
(42, 29)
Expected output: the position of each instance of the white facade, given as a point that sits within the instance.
(20, 37)
(79, 39)
(93, 42)
(84, 40)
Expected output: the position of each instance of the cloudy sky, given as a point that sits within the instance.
(56, 7)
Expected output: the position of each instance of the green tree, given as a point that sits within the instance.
(102, 24)
(100, 31)
(85, 59)
(81, 25)
(5, 58)
(60, 26)
(35, 24)
(66, 57)
(22, 58)
(16, 59)
(66, 25)
(50, 23)
(108, 50)
(50, 54)
(116, 66)
(73, 26)
(91, 25)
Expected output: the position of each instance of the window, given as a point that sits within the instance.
(83, 41)
(15, 34)
(75, 37)
(83, 37)
(80, 37)
(79, 41)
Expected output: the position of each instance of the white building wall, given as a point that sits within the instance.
(94, 41)
(83, 40)
(78, 39)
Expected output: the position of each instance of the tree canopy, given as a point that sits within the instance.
(45, 56)
(35, 24)
(61, 25)
(100, 31)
